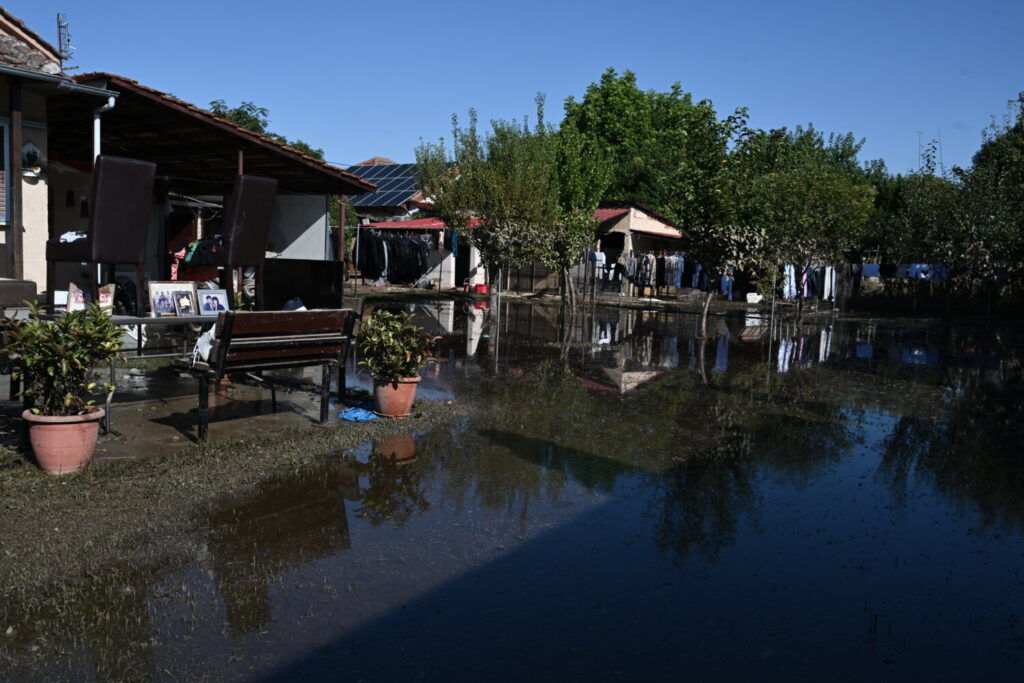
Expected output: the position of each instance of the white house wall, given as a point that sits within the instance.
(299, 228)
(35, 216)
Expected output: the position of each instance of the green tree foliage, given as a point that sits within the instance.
(925, 220)
(667, 150)
(518, 194)
(804, 192)
(254, 118)
(993, 195)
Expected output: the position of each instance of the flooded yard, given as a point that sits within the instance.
(842, 500)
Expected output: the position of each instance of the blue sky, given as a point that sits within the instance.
(368, 79)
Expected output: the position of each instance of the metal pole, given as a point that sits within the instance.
(342, 220)
(15, 259)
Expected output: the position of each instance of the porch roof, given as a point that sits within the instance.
(195, 151)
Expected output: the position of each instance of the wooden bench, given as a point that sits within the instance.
(251, 343)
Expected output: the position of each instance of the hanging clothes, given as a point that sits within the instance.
(828, 286)
(727, 282)
(696, 282)
(789, 282)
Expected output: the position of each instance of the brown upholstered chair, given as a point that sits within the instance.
(120, 203)
(247, 214)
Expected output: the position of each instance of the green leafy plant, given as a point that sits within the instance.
(392, 346)
(54, 359)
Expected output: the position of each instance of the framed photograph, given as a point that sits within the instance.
(185, 299)
(78, 297)
(161, 297)
(107, 293)
(212, 301)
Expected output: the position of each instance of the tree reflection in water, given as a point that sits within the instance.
(973, 457)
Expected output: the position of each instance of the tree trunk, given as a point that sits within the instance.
(568, 288)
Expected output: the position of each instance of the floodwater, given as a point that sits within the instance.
(839, 501)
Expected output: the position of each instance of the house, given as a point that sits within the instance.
(628, 226)
(65, 122)
(198, 156)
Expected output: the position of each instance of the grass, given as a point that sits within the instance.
(65, 529)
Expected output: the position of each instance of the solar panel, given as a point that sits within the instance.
(374, 172)
(396, 184)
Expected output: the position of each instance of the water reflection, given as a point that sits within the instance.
(393, 490)
(293, 520)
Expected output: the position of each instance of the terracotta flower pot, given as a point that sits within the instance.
(394, 397)
(63, 444)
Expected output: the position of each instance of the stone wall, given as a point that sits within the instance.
(17, 53)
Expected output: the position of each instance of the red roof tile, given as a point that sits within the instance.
(603, 215)
(377, 161)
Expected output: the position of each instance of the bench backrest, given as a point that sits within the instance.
(256, 340)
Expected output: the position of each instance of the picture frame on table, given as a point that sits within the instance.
(212, 301)
(185, 299)
(161, 297)
(107, 294)
(79, 297)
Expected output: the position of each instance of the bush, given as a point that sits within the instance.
(54, 358)
(392, 346)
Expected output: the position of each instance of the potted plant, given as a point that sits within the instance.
(393, 351)
(54, 361)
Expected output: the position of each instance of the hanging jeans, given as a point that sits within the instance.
(789, 283)
(696, 276)
(727, 281)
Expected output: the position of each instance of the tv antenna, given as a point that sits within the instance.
(64, 47)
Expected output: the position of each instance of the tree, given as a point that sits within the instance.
(582, 174)
(518, 194)
(993, 197)
(254, 118)
(666, 149)
(247, 115)
(672, 154)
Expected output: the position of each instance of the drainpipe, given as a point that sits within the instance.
(96, 125)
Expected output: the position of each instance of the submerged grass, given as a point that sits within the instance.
(60, 530)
